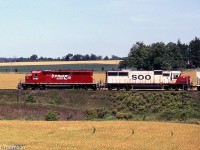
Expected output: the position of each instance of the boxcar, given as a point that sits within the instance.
(195, 77)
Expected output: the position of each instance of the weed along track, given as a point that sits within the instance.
(176, 106)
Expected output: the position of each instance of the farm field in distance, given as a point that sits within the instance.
(111, 62)
(89, 135)
(29, 68)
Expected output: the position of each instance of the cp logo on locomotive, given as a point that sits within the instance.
(61, 77)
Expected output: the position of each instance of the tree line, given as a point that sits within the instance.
(68, 57)
(161, 56)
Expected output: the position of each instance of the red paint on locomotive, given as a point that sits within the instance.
(183, 80)
(60, 76)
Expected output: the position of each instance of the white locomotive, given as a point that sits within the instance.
(127, 79)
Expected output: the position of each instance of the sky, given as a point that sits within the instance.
(54, 28)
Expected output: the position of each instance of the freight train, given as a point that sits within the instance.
(124, 79)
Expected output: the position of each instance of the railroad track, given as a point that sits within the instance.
(106, 90)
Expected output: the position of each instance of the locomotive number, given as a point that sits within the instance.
(141, 77)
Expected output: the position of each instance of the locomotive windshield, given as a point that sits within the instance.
(117, 73)
(158, 72)
(175, 76)
(112, 73)
(35, 75)
(123, 73)
(166, 74)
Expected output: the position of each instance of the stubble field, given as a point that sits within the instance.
(111, 62)
(89, 135)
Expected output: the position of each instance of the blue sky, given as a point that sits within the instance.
(54, 28)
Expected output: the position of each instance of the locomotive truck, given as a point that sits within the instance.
(124, 79)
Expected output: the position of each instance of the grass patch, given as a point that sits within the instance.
(95, 67)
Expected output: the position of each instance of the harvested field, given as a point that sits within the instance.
(112, 62)
(89, 135)
(99, 77)
(10, 80)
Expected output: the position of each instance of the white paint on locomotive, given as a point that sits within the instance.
(142, 77)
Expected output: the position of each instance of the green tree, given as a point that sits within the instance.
(138, 56)
(160, 56)
(194, 48)
(106, 58)
(185, 53)
(68, 57)
(123, 64)
(175, 57)
(33, 57)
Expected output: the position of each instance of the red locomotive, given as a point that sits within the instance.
(72, 79)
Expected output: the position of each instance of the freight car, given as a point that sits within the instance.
(70, 79)
(195, 77)
(198, 81)
(157, 79)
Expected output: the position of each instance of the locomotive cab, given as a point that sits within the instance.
(174, 76)
(34, 77)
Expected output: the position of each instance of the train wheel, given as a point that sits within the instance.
(42, 87)
(33, 88)
(24, 87)
(198, 88)
(185, 87)
(166, 88)
(127, 88)
(86, 88)
(176, 88)
(94, 88)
